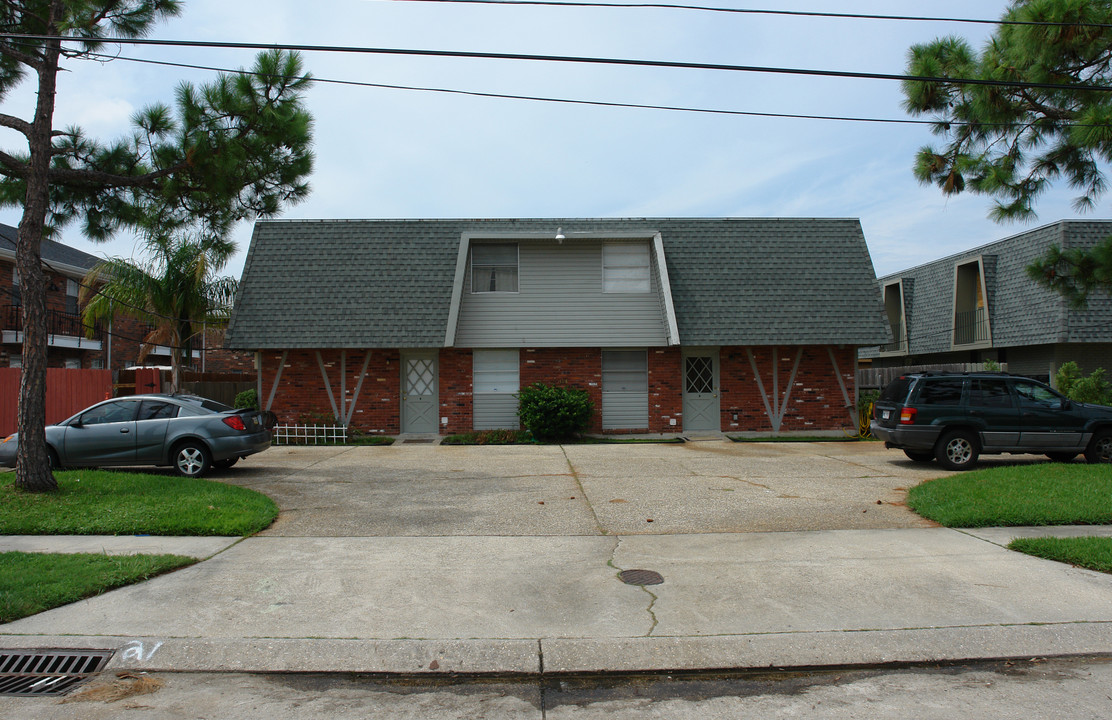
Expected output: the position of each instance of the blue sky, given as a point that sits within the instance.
(399, 154)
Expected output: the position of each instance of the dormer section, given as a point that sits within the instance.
(971, 323)
(572, 291)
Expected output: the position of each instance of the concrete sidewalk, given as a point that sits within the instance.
(461, 601)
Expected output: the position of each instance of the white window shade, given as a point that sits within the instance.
(625, 268)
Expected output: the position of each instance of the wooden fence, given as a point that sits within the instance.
(877, 378)
(67, 391)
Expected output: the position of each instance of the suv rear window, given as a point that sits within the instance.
(940, 391)
(896, 391)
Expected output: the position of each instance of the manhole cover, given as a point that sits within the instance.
(48, 672)
(640, 577)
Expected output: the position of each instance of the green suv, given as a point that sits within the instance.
(956, 417)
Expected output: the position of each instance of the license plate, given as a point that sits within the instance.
(884, 414)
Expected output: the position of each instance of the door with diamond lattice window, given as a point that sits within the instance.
(700, 391)
(419, 393)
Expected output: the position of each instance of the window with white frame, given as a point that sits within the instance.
(494, 267)
(625, 268)
(15, 361)
(73, 363)
(71, 296)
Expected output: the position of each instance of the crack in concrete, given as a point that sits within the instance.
(743, 480)
(652, 603)
(579, 483)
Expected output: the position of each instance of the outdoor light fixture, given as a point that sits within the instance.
(559, 234)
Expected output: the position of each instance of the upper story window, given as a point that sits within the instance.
(625, 268)
(971, 320)
(894, 309)
(494, 268)
(71, 296)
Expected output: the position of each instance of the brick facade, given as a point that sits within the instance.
(814, 399)
(125, 337)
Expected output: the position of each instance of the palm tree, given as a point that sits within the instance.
(175, 291)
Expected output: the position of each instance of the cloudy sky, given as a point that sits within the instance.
(384, 153)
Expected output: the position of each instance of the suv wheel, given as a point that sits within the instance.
(1100, 449)
(957, 450)
(919, 455)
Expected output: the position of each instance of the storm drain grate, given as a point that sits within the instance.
(640, 577)
(418, 440)
(48, 672)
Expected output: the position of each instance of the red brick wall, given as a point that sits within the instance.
(665, 390)
(456, 394)
(815, 401)
(301, 396)
(574, 367)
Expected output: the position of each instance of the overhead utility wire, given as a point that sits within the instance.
(750, 11)
(563, 59)
(570, 101)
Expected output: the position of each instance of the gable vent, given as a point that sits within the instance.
(48, 672)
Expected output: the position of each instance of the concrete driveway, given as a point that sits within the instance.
(426, 559)
(621, 489)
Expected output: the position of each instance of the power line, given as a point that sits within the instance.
(749, 11)
(572, 101)
(569, 59)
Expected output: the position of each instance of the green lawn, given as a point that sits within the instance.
(106, 502)
(1034, 494)
(33, 582)
(1094, 553)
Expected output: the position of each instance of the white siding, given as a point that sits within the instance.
(560, 303)
(494, 389)
(625, 390)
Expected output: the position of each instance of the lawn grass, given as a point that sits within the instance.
(1031, 494)
(33, 582)
(1094, 553)
(106, 502)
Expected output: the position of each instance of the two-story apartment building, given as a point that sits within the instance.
(113, 346)
(980, 305)
(685, 325)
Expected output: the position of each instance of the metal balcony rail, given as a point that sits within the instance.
(971, 326)
(58, 322)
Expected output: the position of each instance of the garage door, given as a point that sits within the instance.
(495, 386)
(625, 390)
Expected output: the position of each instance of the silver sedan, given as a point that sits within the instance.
(189, 433)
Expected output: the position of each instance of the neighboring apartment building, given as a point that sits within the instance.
(114, 346)
(980, 305)
(692, 325)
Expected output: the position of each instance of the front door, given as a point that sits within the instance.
(700, 392)
(419, 393)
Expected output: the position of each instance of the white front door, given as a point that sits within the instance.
(700, 391)
(419, 392)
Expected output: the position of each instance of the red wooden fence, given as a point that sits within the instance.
(67, 391)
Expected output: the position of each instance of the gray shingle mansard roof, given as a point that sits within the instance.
(54, 254)
(1021, 313)
(388, 283)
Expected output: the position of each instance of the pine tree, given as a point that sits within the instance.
(230, 150)
(1050, 122)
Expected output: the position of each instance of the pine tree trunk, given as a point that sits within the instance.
(32, 470)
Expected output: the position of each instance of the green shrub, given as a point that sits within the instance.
(247, 399)
(1075, 386)
(554, 413)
